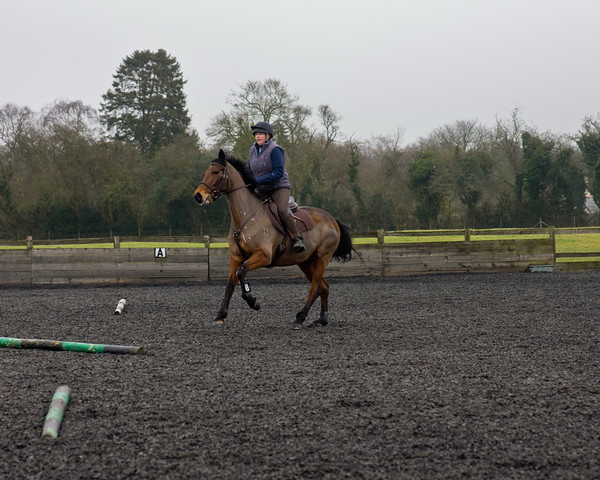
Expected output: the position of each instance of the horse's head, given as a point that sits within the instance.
(219, 179)
(214, 182)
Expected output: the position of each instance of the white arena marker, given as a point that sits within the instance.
(120, 306)
(160, 252)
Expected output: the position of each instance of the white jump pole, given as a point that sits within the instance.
(120, 306)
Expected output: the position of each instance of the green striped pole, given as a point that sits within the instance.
(71, 346)
(60, 400)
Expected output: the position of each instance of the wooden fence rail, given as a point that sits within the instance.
(115, 264)
(47, 266)
(380, 234)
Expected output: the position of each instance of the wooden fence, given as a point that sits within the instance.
(49, 266)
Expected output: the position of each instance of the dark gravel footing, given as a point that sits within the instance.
(438, 376)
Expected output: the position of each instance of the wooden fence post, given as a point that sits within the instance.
(380, 236)
(467, 234)
(207, 246)
(117, 241)
(552, 236)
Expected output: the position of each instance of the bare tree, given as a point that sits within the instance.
(17, 131)
(14, 123)
(507, 151)
(463, 134)
(330, 122)
(72, 169)
(71, 115)
(267, 101)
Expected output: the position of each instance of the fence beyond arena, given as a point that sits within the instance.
(30, 265)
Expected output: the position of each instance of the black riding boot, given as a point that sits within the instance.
(297, 240)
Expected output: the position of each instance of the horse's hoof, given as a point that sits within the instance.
(219, 321)
(252, 302)
(315, 324)
(300, 317)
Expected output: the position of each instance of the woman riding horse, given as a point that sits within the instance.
(266, 161)
(255, 242)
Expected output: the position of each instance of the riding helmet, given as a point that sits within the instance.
(262, 127)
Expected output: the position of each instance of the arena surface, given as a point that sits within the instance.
(426, 377)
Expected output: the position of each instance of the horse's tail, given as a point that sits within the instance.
(344, 248)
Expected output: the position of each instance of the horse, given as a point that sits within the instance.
(255, 241)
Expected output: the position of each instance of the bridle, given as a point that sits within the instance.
(218, 190)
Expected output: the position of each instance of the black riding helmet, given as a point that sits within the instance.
(262, 127)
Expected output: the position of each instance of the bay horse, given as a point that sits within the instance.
(255, 241)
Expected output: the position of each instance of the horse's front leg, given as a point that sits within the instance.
(232, 280)
(257, 259)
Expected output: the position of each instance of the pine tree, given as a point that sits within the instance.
(146, 105)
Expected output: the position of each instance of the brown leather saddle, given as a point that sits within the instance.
(304, 221)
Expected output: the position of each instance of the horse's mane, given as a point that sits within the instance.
(244, 170)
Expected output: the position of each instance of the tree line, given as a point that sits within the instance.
(131, 167)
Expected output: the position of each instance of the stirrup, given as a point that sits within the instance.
(298, 245)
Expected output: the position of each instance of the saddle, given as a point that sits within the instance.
(304, 221)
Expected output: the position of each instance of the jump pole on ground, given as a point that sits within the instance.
(54, 418)
(69, 346)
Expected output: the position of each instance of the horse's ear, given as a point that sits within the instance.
(222, 157)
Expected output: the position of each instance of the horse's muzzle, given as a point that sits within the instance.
(202, 200)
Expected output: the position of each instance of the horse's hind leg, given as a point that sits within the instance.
(324, 289)
(318, 287)
(301, 315)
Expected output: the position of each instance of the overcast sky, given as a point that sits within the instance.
(382, 65)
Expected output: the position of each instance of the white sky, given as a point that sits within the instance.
(380, 64)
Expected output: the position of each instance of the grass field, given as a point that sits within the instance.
(579, 243)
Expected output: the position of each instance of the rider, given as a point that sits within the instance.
(267, 163)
